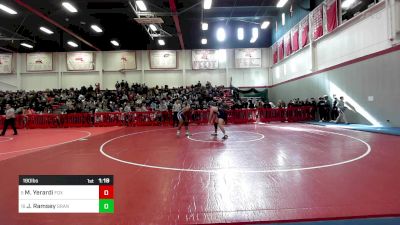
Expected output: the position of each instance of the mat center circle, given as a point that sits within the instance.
(234, 136)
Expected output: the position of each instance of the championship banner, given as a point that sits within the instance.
(331, 15)
(317, 23)
(248, 58)
(5, 63)
(288, 44)
(295, 38)
(280, 49)
(304, 31)
(163, 59)
(80, 61)
(116, 61)
(204, 59)
(275, 53)
(39, 61)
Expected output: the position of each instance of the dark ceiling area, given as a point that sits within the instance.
(116, 18)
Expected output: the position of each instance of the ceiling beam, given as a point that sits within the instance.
(175, 17)
(14, 35)
(7, 50)
(237, 18)
(190, 8)
(40, 14)
(244, 7)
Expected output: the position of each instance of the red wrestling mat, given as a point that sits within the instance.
(262, 173)
(28, 141)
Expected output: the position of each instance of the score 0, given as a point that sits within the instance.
(106, 201)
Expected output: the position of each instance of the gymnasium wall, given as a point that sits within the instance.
(365, 34)
(9, 81)
(332, 65)
(300, 10)
(182, 76)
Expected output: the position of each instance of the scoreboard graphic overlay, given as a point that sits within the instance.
(66, 194)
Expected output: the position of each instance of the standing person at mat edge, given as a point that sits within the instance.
(218, 116)
(183, 117)
(341, 108)
(10, 120)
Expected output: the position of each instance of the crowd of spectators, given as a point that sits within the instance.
(325, 109)
(141, 98)
(125, 98)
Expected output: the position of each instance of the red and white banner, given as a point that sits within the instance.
(205, 59)
(248, 58)
(119, 60)
(275, 53)
(331, 15)
(163, 59)
(39, 61)
(80, 61)
(304, 31)
(317, 23)
(288, 44)
(6, 63)
(295, 38)
(280, 49)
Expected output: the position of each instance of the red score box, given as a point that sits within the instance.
(106, 192)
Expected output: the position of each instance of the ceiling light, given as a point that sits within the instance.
(26, 45)
(281, 3)
(153, 27)
(47, 31)
(283, 19)
(348, 3)
(264, 25)
(240, 33)
(221, 34)
(72, 44)
(204, 41)
(96, 28)
(140, 4)
(161, 42)
(204, 26)
(207, 4)
(254, 35)
(114, 42)
(69, 7)
(7, 9)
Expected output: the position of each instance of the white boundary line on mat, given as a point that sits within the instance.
(48, 146)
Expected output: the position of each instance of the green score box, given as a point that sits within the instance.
(106, 206)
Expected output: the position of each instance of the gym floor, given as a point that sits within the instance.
(263, 173)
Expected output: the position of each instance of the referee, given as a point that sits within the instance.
(10, 120)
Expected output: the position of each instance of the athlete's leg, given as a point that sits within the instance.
(187, 127)
(215, 129)
(180, 121)
(221, 123)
